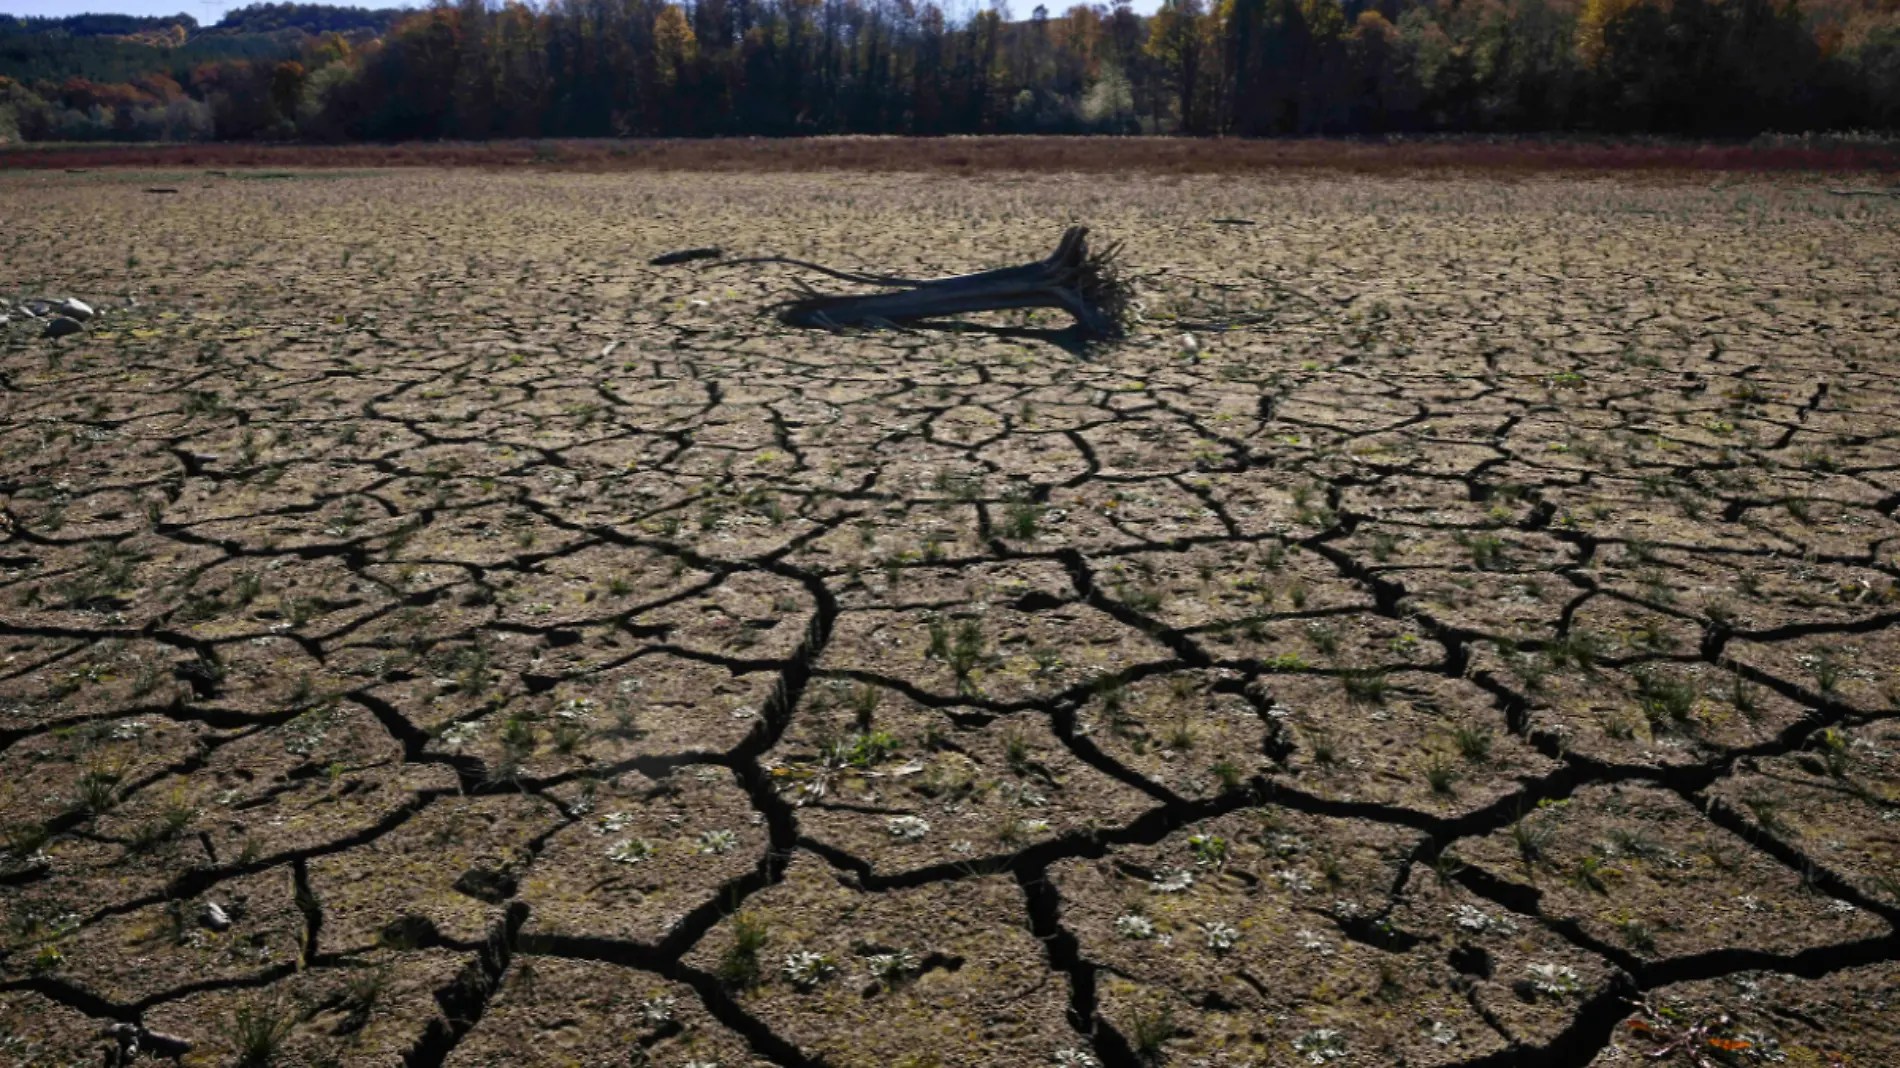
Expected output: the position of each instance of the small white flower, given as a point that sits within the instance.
(613, 822)
(631, 851)
(891, 967)
(1173, 882)
(130, 729)
(908, 828)
(1293, 880)
(1075, 1058)
(657, 1010)
(460, 735)
(1471, 918)
(1557, 980)
(1135, 927)
(1220, 936)
(717, 841)
(1313, 940)
(1441, 1034)
(1321, 1045)
(805, 969)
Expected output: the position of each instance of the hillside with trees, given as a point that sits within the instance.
(599, 68)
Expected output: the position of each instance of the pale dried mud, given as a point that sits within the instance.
(1475, 646)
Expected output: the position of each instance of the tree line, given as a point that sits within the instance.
(626, 68)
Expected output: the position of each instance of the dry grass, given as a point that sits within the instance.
(970, 155)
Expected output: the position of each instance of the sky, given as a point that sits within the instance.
(209, 11)
(205, 12)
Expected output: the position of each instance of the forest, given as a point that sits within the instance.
(775, 68)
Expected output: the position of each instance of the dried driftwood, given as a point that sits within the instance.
(1072, 279)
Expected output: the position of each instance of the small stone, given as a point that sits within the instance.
(62, 326)
(215, 917)
(1189, 344)
(74, 307)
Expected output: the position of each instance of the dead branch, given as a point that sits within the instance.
(1071, 279)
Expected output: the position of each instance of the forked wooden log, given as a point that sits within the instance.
(1086, 285)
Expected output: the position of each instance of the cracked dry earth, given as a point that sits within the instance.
(1478, 650)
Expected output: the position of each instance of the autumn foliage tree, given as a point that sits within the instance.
(598, 68)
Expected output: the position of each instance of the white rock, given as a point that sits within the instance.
(215, 918)
(74, 307)
(1189, 344)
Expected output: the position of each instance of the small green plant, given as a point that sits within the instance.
(1532, 840)
(1766, 808)
(1473, 741)
(1324, 638)
(258, 1029)
(99, 789)
(1665, 701)
(1487, 552)
(865, 750)
(1020, 519)
(1590, 873)
(1636, 843)
(1140, 598)
(1832, 747)
(1210, 850)
(864, 701)
(172, 821)
(966, 654)
(364, 988)
(1331, 868)
(1016, 751)
(939, 631)
(1181, 735)
(1384, 545)
(246, 587)
(517, 735)
(1228, 774)
(567, 737)
(1366, 687)
(739, 965)
(1577, 648)
(1324, 746)
(1637, 933)
(1047, 660)
(1440, 774)
(1828, 668)
(1149, 1031)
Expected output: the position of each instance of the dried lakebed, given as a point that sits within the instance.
(430, 635)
